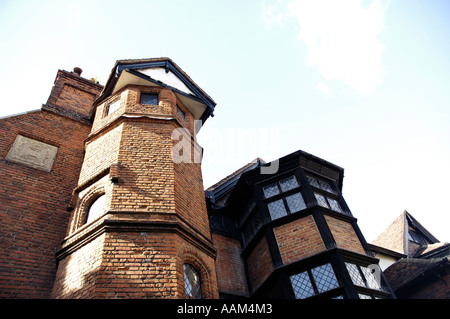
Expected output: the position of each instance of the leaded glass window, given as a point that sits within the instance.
(277, 209)
(181, 113)
(315, 281)
(295, 202)
(289, 203)
(328, 202)
(302, 285)
(318, 183)
(149, 98)
(355, 275)
(271, 190)
(363, 276)
(96, 209)
(321, 200)
(113, 106)
(192, 282)
(325, 278)
(371, 280)
(334, 205)
(288, 184)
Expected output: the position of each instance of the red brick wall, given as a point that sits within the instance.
(344, 235)
(298, 239)
(33, 219)
(230, 266)
(152, 192)
(260, 264)
(73, 94)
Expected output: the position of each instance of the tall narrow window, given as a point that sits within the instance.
(149, 98)
(181, 113)
(96, 209)
(192, 282)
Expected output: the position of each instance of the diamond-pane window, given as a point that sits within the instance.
(313, 182)
(334, 205)
(324, 278)
(321, 200)
(295, 202)
(302, 285)
(192, 282)
(325, 186)
(271, 190)
(355, 274)
(370, 278)
(277, 209)
(288, 184)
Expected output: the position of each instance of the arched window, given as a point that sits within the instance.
(192, 282)
(96, 209)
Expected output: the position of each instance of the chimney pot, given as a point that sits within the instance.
(77, 71)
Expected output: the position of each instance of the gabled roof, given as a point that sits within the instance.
(226, 185)
(160, 72)
(397, 236)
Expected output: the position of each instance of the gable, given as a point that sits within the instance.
(160, 72)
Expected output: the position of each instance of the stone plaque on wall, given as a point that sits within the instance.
(33, 153)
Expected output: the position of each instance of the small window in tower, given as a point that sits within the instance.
(113, 106)
(192, 282)
(96, 209)
(181, 113)
(149, 98)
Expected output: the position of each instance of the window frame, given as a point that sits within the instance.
(116, 104)
(181, 113)
(89, 218)
(330, 194)
(148, 93)
(283, 195)
(199, 282)
(313, 281)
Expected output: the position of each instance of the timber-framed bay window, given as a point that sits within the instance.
(284, 197)
(314, 281)
(326, 194)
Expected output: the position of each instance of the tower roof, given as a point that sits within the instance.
(160, 72)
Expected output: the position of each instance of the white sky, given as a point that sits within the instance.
(361, 84)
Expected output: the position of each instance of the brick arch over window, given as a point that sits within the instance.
(191, 256)
(85, 203)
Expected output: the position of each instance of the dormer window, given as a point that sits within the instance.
(149, 98)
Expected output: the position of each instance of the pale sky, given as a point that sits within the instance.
(361, 84)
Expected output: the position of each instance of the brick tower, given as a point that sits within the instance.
(139, 226)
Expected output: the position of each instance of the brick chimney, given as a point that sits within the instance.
(77, 71)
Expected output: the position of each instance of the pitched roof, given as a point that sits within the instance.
(396, 237)
(226, 185)
(407, 270)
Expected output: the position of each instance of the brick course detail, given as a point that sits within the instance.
(298, 239)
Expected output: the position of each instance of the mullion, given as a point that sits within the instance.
(313, 282)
